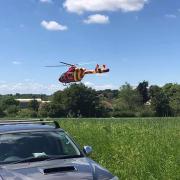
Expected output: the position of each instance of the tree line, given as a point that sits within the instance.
(78, 100)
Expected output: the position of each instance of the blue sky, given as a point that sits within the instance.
(137, 39)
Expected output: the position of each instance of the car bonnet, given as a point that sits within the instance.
(64, 169)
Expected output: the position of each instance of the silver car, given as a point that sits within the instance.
(37, 151)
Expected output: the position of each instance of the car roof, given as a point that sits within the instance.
(25, 127)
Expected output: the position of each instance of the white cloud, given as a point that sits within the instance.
(32, 87)
(53, 26)
(46, 1)
(172, 16)
(28, 87)
(80, 6)
(97, 19)
(89, 84)
(16, 62)
(100, 87)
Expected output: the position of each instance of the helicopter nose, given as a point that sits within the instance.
(60, 79)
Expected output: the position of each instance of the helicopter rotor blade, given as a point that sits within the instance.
(67, 64)
(56, 66)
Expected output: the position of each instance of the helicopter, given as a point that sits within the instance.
(76, 74)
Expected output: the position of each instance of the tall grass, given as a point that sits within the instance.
(146, 148)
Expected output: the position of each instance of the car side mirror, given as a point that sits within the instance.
(87, 150)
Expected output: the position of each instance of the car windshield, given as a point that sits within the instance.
(16, 147)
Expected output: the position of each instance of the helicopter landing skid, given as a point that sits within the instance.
(68, 84)
(65, 84)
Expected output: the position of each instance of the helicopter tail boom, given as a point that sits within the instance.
(98, 70)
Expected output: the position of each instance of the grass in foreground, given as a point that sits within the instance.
(131, 148)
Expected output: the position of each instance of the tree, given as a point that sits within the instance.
(129, 101)
(56, 110)
(33, 105)
(77, 100)
(159, 101)
(7, 101)
(108, 94)
(104, 109)
(175, 104)
(27, 113)
(12, 110)
(172, 91)
(2, 114)
(143, 91)
(44, 110)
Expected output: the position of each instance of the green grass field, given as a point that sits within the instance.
(144, 149)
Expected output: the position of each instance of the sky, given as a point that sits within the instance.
(137, 39)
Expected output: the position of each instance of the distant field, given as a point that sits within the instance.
(146, 148)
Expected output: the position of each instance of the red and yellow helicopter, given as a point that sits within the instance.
(76, 74)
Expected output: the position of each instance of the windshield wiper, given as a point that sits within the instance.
(62, 157)
(31, 159)
(45, 158)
